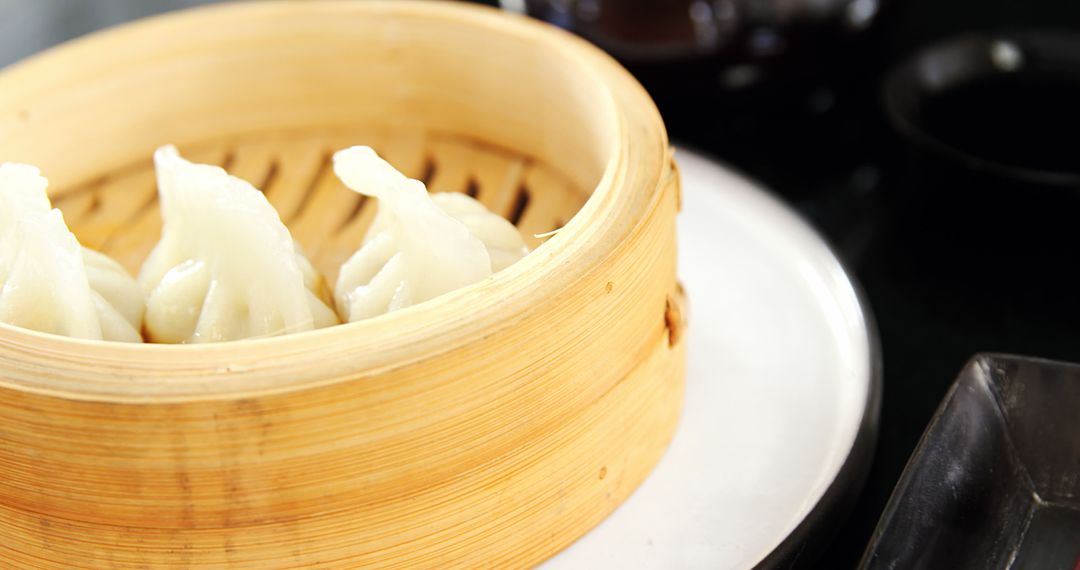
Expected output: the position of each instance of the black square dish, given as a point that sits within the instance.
(995, 481)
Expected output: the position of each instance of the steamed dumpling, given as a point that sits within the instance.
(419, 246)
(48, 282)
(226, 267)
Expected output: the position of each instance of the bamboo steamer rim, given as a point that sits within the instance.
(638, 162)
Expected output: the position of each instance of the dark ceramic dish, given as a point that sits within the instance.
(995, 481)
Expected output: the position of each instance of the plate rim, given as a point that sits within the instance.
(815, 531)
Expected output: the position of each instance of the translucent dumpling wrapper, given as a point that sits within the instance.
(419, 246)
(226, 267)
(48, 282)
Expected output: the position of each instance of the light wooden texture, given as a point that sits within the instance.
(490, 427)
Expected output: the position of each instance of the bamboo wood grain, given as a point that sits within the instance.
(490, 427)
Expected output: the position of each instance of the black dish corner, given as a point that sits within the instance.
(995, 480)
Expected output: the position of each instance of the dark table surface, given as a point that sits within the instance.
(823, 146)
(937, 301)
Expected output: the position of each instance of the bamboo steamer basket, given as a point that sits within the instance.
(489, 427)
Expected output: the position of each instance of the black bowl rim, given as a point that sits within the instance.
(908, 80)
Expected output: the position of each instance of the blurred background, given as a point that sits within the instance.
(931, 141)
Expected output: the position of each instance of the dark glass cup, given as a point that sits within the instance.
(756, 82)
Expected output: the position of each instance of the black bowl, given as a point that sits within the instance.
(1001, 105)
(987, 219)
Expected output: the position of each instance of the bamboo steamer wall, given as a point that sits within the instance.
(489, 427)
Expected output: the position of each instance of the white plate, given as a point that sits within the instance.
(781, 366)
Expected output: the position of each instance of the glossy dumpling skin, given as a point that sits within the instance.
(226, 267)
(419, 245)
(48, 282)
